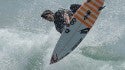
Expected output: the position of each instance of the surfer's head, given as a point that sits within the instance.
(48, 15)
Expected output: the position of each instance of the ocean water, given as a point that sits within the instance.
(27, 41)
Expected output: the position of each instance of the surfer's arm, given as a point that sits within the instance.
(67, 18)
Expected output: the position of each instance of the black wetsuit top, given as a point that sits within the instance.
(59, 18)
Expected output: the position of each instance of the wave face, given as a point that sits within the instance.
(27, 41)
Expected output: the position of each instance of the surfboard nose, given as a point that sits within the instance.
(54, 59)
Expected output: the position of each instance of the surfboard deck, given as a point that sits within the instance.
(82, 21)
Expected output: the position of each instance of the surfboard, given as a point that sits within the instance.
(81, 23)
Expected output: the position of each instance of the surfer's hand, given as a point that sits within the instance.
(67, 19)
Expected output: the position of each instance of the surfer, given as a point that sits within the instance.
(61, 18)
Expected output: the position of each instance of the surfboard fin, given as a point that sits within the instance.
(88, 1)
(84, 31)
(87, 14)
(101, 8)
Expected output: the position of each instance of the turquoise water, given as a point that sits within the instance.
(27, 41)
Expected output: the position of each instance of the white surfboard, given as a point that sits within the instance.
(82, 21)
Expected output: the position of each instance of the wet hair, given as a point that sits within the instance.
(45, 13)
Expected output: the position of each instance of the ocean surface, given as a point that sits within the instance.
(27, 41)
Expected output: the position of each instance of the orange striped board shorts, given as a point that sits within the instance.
(89, 11)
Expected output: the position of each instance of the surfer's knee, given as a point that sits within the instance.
(74, 7)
